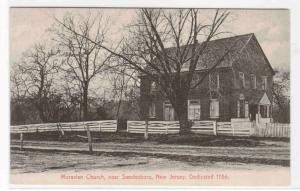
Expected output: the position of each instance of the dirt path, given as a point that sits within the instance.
(269, 153)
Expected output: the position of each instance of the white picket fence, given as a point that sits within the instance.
(272, 130)
(95, 126)
(241, 128)
(154, 127)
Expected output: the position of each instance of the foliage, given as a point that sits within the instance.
(281, 97)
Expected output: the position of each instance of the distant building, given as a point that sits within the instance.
(240, 86)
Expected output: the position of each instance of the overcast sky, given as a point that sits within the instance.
(271, 27)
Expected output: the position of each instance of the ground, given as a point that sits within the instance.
(160, 152)
(40, 161)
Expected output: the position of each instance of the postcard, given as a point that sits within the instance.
(149, 96)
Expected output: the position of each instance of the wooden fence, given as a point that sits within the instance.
(234, 128)
(204, 127)
(95, 126)
(88, 127)
(154, 127)
(272, 130)
(200, 127)
(222, 128)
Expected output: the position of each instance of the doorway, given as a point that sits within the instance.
(253, 109)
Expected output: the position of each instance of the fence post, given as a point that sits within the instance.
(215, 127)
(127, 126)
(146, 130)
(232, 128)
(250, 128)
(89, 136)
(60, 129)
(21, 141)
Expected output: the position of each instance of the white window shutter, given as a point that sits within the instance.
(246, 109)
(238, 109)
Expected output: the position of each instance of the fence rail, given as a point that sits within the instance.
(224, 128)
(154, 127)
(95, 126)
(204, 127)
(233, 128)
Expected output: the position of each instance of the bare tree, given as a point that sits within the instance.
(83, 60)
(17, 84)
(71, 100)
(122, 80)
(146, 50)
(18, 95)
(133, 96)
(36, 76)
(149, 37)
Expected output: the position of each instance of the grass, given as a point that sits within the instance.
(124, 137)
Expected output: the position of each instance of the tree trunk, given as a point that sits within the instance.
(85, 103)
(184, 124)
(85, 116)
(41, 112)
(182, 114)
(40, 96)
(119, 106)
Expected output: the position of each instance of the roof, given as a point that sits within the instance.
(216, 49)
(258, 98)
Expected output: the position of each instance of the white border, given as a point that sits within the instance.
(292, 5)
(159, 3)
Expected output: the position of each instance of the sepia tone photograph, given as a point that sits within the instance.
(149, 97)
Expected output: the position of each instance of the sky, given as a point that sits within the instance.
(271, 28)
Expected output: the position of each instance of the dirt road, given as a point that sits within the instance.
(278, 154)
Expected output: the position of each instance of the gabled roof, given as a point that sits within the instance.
(216, 49)
(258, 98)
(265, 57)
(265, 100)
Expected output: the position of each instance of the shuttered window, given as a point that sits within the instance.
(253, 81)
(264, 82)
(214, 108)
(152, 111)
(264, 111)
(242, 79)
(152, 87)
(246, 109)
(214, 80)
(242, 109)
(168, 111)
(195, 81)
(194, 111)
